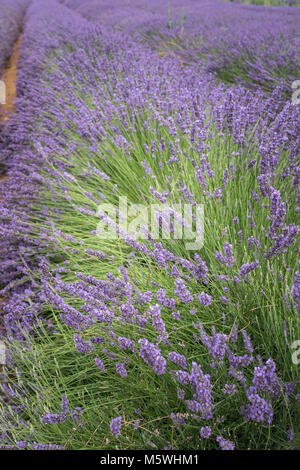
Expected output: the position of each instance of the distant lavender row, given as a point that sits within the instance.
(47, 26)
(255, 46)
(11, 15)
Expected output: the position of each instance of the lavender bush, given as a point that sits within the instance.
(11, 15)
(142, 344)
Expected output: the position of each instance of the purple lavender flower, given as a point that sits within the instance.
(258, 410)
(120, 369)
(100, 364)
(228, 259)
(202, 384)
(265, 378)
(290, 434)
(150, 353)
(296, 291)
(115, 426)
(230, 389)
(83, 347)
(182, 292)
(177, 419)
(126, 343)
(247, 341)
(205, 299)
(234, 334)
(157, 322)
(216, 344)
(178, 359)
(225, 445)
(205, 432)
(63, 415)
(247, 268)
(183, 377)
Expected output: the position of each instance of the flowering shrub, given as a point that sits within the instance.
(11, 15)
(141, 340)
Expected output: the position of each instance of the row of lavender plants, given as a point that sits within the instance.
(268, 3)
(143, 344)
(11, 15)
(257, 47)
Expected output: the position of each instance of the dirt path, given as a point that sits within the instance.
(9, 77)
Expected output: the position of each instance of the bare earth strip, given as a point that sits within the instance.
(9, 77)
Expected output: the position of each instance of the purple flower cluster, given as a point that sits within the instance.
(224, 445)
(64, 415)
(216, 344)
(203, 387)
(205, 299)
(120, 369)
(115, 426)
(151, 354)
(205, 432)
(178, 359)
(258, 409)
(182, 292)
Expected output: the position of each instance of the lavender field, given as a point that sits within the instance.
(149, 330)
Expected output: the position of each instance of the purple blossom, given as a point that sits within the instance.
(225, 445)
(157, 322)
(205, 432)
(182, 292)
(63, 416)
(178, 359)
(151, 354)
(259, 410)
(224, 300)
(228, 258)
(205, 299)
(126, 343)
(120, 369)
(290, 434)
(100, 364)
(203, 387)
(177, 419)
(296, 291)
(265, 378)
(83, 347)
(247, 268)
(230, 389)
(216, 344)
(115, 426)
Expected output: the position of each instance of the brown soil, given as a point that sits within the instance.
(9, 77)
